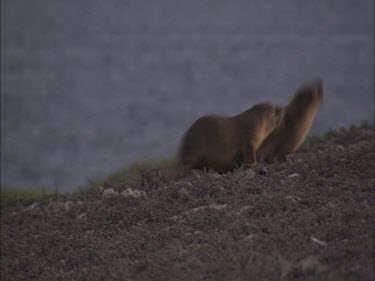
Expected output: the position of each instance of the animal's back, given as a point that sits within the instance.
(208, 142)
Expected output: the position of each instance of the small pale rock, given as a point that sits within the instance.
(133, 193)
(319, 242)
(291, 198)
(244, 208)
(250, 173)
(196, 209)
(212, 206)
(81, 216)
(249, 237)
(110, 192)
(68, 205)
(33, 206)
(293, 176)
(340, 148)
(89, 232)
(241, 210)
(331, 205)
(183, 191)
(217, 207)
(219, 187)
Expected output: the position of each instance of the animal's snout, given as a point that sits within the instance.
(278, 114)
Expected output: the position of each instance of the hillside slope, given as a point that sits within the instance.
(311, 218)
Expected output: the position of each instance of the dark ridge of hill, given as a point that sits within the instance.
(310, 218)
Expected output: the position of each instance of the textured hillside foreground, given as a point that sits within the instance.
(311, 218)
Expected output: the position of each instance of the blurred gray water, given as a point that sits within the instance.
(88, 86)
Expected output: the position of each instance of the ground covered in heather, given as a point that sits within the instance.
(310, 218)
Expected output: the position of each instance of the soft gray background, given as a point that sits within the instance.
(88, 86)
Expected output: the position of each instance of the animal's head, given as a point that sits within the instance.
(268, 116)
(309, 94)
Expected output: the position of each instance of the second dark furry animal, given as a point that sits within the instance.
(295, 124)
